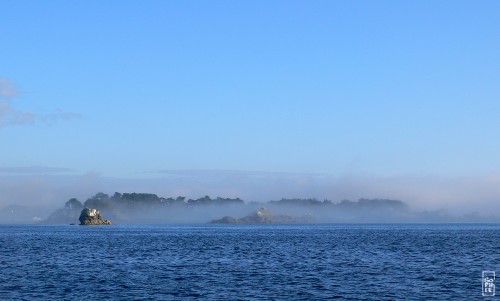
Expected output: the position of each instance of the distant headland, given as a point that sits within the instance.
(150, 208)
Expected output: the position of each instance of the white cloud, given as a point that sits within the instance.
(7, 88)
(9, 115)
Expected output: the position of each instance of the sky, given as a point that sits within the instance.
(393, 91)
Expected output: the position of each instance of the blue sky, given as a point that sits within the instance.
(381, 88)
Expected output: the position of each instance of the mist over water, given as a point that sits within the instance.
(36, 196)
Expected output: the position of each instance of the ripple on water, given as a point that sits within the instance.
(344, 262)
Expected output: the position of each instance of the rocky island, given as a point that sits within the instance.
(263, 216)
(90, 216)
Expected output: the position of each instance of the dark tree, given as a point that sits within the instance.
(73, 204)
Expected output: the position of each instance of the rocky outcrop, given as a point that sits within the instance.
(263, 216)
(90, 216)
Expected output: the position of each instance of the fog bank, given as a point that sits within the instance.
(457, 196)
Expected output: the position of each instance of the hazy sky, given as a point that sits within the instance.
(378, 88)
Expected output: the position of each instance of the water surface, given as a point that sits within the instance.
(247, 262)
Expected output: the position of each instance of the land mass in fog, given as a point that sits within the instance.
(150, 208)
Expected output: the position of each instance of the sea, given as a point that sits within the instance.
(249, 262)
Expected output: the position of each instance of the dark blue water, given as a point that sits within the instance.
(299, 262)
